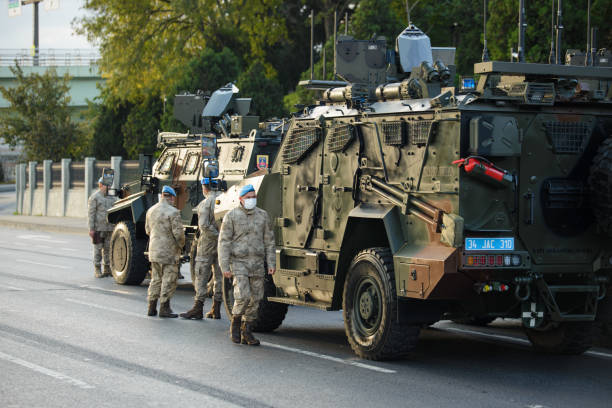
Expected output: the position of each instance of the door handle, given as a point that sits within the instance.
(336, 189)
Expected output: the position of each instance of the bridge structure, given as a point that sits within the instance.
(81, 65)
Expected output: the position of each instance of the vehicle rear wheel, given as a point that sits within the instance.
(270, 315)
(565, 338)
(128, 262)
(370, 308)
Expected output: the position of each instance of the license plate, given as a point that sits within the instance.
(489, 244)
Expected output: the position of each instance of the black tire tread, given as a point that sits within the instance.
(400, 338)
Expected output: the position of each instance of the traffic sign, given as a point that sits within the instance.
(14, 8)
(51, 4)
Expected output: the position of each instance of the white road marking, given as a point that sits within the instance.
(68, 249)
(44, 264)
(123, 292)
(329, 358)
(46, 371)
(512, 339)
(486, 335)
(110, 309)
(43, 246)
(10, 287)
(45, 238)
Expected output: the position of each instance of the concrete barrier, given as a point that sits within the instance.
(39, 191)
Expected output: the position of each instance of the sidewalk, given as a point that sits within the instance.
(69, 225)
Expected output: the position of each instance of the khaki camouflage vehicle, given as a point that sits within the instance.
(220, 129)
(401, 199)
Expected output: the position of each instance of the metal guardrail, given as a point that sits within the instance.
(52, 57)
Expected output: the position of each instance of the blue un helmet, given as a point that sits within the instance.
(168, 190)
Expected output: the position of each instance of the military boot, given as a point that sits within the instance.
(215, 312)
(166, 311)
(152, 308)
(107, 271)
(196, 312)
(97, 271)
(246, 334)
(235, 328)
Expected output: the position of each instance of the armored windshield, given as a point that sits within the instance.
(220, 101)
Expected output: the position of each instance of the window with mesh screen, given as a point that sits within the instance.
(393, 133)
(339, 137)
(299, 142)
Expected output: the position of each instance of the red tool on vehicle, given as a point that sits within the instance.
(482, 167)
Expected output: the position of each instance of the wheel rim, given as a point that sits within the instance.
(368, 306)
(119, 258)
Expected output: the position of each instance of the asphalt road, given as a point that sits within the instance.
(70, 340)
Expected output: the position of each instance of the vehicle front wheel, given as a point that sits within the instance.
(370, 308)
(128, 262)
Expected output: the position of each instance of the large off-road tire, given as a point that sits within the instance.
(270, 315)
(370, 308)
(566, 338)
(128, 262)
(600, 184)
(479, 321)
(604, 320)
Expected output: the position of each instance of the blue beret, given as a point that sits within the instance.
(205, 180)
(168, 190)
(100, 180)
(246, 189)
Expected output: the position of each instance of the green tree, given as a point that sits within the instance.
(266, 92)
(147, 44)
(39, 117)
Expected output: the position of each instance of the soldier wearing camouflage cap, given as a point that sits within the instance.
(206, 258)
(246, 243)
(166, 240)
(100, 229)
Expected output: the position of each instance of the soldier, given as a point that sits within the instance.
(206, 257)
(100, 229)
(245, 242)
(166, 240)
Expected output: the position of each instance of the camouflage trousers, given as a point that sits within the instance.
(163, 281)
(201, 274)
(103, 247)
(248, 292)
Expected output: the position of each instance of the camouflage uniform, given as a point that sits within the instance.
(97, 205)
(246, 240)
(206, 256)
(166, 239)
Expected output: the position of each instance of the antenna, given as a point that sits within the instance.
(551, 56)
(559, 31)
(335, 40)
(311, 44)
(485, 51)
(588, 57)
(522, 26)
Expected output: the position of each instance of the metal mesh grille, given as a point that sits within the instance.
(567, 137)
(339, 137)
(393, 133)
(540, 94)
(299, 141)
(419, 131)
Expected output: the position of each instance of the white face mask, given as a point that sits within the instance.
(250, 203)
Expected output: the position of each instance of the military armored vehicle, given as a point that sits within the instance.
(220, 129)
(402, 199)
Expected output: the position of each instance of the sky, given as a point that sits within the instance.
(55, 28)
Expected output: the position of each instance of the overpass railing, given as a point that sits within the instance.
(52, 57)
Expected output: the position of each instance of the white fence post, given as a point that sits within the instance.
(32, 186)
(65, 184)
(47, 180)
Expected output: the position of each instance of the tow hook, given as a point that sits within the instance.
(522, 281)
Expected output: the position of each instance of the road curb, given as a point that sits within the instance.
(6, 187)
(44, 227)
